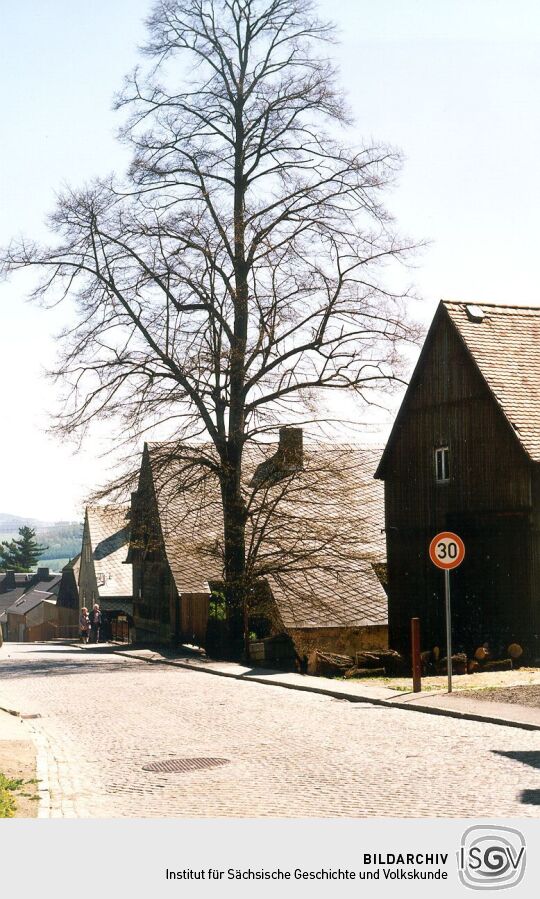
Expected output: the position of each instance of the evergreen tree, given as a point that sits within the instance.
(22, 554)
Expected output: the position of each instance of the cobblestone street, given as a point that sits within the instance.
(103, 717)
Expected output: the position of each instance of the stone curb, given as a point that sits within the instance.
(336, 694)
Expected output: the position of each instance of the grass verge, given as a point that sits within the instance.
(10, 787)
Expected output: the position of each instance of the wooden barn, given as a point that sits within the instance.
(464, 455)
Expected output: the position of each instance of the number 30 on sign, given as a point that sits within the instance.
(447, 550)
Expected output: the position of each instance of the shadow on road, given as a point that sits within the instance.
(526, 757)
(35, 667)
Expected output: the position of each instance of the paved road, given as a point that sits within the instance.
(103, 717)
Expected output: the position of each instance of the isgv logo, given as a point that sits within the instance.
(491, 858)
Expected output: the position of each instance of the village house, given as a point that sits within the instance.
(103, 576)
(32, 613)
(464, 456)
(321, 556)
(12, 586)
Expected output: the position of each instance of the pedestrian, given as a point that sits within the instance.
(95, 623)
(84, 624)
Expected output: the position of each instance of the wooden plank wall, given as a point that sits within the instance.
(488, 501)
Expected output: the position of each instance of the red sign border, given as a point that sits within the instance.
(454, 562)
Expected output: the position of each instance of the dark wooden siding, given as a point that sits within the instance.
(154, 593)
(488, 501)
(194, 617)
(160, 614)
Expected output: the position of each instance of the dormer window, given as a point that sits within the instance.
(442, 464)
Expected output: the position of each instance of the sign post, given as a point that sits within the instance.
(416, 657)
(447, 551)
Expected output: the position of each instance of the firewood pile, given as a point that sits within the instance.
(483, 659)
(389, 663)
(376, 663)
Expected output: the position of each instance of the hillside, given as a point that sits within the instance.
(62, 539)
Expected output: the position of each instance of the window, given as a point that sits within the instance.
(442, 464)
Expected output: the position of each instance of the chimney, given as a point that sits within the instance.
(9, 580)
(287, 459)
(43, 574)
(290, 450)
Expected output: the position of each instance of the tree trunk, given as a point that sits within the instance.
(234, 532)
(234, 511)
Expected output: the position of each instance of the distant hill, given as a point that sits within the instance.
(62, 539)
(9, 523)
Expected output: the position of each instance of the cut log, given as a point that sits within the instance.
(329, 664)
(392, 661)
(472, 666)
(482, 653)
(498, 665)
(367, 659)
(459, 664)
(515, 651)
(365, 672)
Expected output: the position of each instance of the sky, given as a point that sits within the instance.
(454, 84)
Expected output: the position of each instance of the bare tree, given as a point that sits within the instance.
(234, 276)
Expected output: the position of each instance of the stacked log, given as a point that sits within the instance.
(367, 663)
(329, 664)
(392, 662)
(459, 664)
(365, 672)
(389, 663)
(498, 665)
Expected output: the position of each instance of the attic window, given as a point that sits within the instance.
(475, 313)
(442, 464)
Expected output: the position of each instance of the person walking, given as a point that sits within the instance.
(84, 624)
(95, 623)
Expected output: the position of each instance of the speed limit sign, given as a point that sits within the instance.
(447, 550)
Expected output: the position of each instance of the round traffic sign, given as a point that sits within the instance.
(447, 550)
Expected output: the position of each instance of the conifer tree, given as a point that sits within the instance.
(22, 554)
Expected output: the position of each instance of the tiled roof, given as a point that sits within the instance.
(21, 579)
(352, 597)
(189, 521)
(316, 548)
(505, 344)
(109, 535)
(30, 600)
(7, 599)
(49, 585)
(25, 582)
(74, 565)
